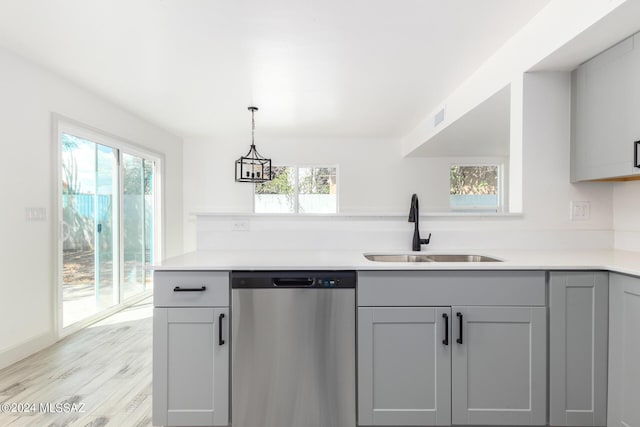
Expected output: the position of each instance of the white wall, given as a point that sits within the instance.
(556, 25)
(373, 177)
(626, 215)
(385, 182)
(29, 97)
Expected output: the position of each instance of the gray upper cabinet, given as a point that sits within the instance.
(624, 351)
(578, 324)
(499, 366)
(606, 113)
(404, 366)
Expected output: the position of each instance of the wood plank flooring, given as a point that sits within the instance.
(105, 369)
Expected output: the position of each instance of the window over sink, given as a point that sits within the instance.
(298, 189)
(475, 187)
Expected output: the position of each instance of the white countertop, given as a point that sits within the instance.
(617, 261)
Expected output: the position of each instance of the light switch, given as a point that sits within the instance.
(35, 214)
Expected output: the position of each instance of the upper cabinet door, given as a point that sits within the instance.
(404, 366)
(606, 113)
(499, 366)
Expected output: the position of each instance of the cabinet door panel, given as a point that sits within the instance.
(605, 114)
(499, 369)
(578, 348)
(624, 351)
(404, 369)
(191, 377)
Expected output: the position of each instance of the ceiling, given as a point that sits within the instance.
(359, 68)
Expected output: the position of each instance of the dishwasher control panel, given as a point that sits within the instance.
(293, 279)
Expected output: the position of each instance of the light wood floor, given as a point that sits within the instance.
(107, 367)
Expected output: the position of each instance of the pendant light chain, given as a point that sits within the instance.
(253, 127)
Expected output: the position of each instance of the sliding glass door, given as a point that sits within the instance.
(107, 202)
(137, 219)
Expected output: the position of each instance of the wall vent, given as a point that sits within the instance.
(438, 118)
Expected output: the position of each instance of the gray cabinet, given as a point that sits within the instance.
(191, 349)
(404, 366)
(494, 373)
(624, 351)
(578, 325)
(499, 366)
(606, 101)
(191, 366)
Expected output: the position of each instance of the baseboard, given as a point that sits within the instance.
(11, 355)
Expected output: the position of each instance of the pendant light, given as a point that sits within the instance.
(253, 167)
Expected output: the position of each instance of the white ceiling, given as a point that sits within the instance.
(314, 67)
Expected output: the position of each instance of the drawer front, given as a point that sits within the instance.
(185, 289)
(443, 288)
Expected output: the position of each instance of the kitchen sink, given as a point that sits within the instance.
(429, 258)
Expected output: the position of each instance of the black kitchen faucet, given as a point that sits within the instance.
(414, 216)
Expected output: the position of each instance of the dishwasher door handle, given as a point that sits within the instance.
(293, 282)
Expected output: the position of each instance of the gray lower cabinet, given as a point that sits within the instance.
(191, 367)
(578, 348)
(445, 347)
(404, 366)
(624, 351)
(499, 366)
(460, 365)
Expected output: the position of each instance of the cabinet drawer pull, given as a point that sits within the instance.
(179, 289)
(460, 319)
(445, 341)
(220, 340)
(636, 158)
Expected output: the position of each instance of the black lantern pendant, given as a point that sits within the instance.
(253, 167)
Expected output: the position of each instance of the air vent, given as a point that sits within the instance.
(438, 118)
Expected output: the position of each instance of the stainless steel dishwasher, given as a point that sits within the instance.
(293, 346)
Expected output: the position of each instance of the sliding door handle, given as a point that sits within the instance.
(461, 321)
(220, 340)
(445, 341)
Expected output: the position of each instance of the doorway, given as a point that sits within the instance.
(108, 237)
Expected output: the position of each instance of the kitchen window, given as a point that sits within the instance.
(475, 187)
(298, 189)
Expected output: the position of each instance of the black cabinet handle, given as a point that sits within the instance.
(636, 158)
(220, 340)
(460, 319)
(179, 289)
(445, 341)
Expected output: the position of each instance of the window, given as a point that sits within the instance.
(293, 189)
(475, 187)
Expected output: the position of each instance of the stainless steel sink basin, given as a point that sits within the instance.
(429, 258)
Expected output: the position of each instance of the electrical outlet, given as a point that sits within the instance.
(35, 214)
(580, 211)
(240, 225)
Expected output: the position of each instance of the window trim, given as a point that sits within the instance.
(500, 207)
(297, 212)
